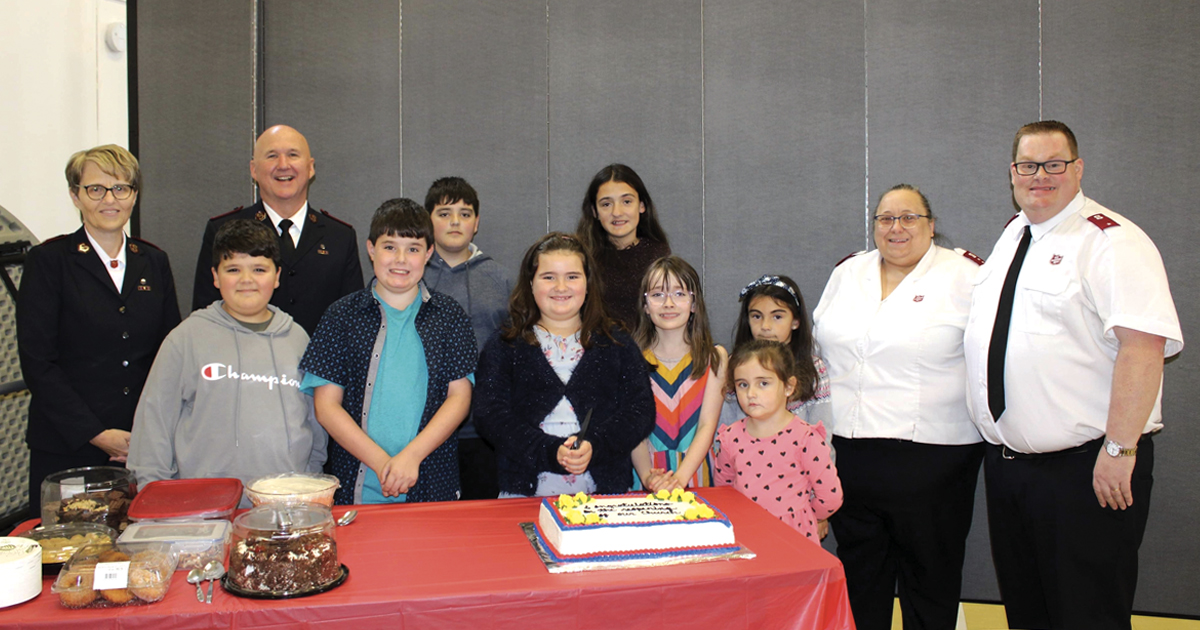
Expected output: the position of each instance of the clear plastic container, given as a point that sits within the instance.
(97, 494)
(196, 542)
(293, 487)
(60, 541)
(187, 499)
(283, 549)
(125, 575)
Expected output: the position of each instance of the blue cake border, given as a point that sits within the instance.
(681, 552)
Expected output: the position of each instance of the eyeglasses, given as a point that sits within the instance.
(885, 221)
(658, 298)
(1052, 167)
(97, 192)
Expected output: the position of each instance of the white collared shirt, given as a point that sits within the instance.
(116, 273)
(896, 365)
(297, 221)
(1077, 283)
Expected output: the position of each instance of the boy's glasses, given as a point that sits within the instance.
(658, 298)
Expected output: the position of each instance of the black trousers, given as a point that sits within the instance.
(903, 527)
(1062, 560)
(44, 463)
(477, 469)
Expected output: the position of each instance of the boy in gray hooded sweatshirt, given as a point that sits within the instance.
(481, 286)
(223, 397)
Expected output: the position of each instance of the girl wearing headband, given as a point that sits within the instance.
(772, 309)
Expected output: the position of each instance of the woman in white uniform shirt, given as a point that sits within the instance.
(890, 329)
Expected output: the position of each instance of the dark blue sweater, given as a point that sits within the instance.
(515, 388)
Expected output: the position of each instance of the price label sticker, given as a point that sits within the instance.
(111, 575)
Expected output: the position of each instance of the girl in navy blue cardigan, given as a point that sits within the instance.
(558, 360)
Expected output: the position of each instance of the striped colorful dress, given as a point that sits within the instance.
(677, 401)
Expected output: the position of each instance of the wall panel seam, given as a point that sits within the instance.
(547, 116)
(400, 89)
(866, 134)
(703, 163)
(255, 60)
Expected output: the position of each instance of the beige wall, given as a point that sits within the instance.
(66, 91)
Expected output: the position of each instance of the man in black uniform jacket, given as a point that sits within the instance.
(320, 253)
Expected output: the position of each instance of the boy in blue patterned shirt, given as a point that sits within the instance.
(389, 369)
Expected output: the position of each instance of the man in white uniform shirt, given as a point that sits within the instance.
(1067, 389)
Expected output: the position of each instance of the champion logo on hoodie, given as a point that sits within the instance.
(218, 371)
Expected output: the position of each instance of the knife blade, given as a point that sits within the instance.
(583, 427)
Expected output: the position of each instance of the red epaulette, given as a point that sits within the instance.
(848, 258)
(336, 219)
(144, 241)
(55, 238)
(1010, 220)
(969, 255)
(1102, 221)
(223, 215)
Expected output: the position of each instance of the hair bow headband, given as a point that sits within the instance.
(770, 281)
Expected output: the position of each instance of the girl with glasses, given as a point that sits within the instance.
(687, 378)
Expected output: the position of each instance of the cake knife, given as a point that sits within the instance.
(582, 429)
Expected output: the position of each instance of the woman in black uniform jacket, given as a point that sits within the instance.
(92, 310)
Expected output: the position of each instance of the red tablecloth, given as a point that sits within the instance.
(468, 565)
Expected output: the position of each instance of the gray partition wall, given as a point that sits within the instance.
(764, 129)
(196, 104)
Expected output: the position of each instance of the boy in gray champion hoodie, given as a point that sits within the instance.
(223, 397)
(482, 287)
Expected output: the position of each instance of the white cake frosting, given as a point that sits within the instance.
(290, 485)
(632, 523)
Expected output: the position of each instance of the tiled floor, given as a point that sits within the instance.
(991, 617)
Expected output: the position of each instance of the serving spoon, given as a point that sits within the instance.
(196, 576)
(212, 572)
(347, 518)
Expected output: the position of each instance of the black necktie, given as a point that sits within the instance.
(287, 248)
(999, 345)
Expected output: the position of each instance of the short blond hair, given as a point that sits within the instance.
(111, 159)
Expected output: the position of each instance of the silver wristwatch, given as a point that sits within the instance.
(1116, 450)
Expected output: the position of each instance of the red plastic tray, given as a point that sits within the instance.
(187, 498)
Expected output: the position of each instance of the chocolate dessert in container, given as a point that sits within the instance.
(96, 494)
(282, 550)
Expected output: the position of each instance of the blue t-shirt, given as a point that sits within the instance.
(395, 414)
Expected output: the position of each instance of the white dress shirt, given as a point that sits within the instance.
(896, 365)
(297, 221)
(116, 272)
(1079, 281)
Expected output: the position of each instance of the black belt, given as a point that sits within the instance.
(1008, 453)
